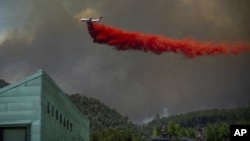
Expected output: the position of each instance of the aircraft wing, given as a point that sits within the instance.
(91, 19)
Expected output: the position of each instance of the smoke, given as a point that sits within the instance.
(88, 12)
(48, 35)
(163, 113)
(124, 40)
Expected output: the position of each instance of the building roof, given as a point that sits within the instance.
(43, 74)
(21, 81)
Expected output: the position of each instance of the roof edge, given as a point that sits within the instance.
(39, 73)
(44, 75)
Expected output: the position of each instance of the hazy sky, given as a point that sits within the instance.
(47, 35)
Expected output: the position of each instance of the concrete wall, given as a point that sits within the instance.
(20, 105)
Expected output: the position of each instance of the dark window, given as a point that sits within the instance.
(61, 118)
(48, 108)
(70, 127)
(67, 124)
(52, 111)
(1, 134)
(56, 115)
(13, 134)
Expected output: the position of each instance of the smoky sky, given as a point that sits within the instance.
(47, 35)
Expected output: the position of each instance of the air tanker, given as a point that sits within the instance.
(91, 19)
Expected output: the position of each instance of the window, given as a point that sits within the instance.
(56, 115)
(70, 127)
(61, 118)
(48, 108)
(67, 124)
(52, 111)
(13, 134)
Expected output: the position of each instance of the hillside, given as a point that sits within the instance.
(100, 115)
(3, 83)
(106, 123)
(204, 118)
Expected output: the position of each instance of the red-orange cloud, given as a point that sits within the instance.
(125, 40)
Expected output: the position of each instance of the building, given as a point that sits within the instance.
(36, 109)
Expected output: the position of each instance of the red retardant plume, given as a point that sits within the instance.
(125, 40)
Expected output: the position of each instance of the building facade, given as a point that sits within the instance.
(36, 109)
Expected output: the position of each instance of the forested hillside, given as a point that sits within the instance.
(215, 123)
(106, 123)
(101, 115)
(205, 117)
(3, 83)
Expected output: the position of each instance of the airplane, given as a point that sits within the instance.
(91, 19)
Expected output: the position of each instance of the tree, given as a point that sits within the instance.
(189, 132)
(223, 131)
(210, 133)
(174, 130)
(3, 83)
(217, 132)
(155, 132)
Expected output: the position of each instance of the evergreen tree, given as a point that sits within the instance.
(155, 132)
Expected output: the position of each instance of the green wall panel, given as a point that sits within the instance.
(76, 125)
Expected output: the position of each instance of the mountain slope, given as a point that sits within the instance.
(105, 123)
(3, 83)
(204, 118)
(100, 115)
